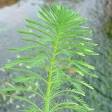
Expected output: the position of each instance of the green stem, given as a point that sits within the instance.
(50, 73)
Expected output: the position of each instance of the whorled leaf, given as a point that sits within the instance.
(61, 40)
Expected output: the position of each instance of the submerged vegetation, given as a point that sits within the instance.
(49, 76)
(108, 28)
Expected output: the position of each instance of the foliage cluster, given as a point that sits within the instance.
(51, 68)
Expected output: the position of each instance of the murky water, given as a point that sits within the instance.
(96, 12)
(12, 18)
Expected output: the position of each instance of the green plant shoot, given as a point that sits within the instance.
(51, 66)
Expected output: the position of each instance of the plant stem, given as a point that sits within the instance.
(50, 73)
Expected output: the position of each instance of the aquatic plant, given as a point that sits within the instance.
(50, 70)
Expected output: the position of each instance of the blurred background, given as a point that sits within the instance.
(99, 14)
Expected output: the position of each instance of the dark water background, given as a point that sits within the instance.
(99, 16)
